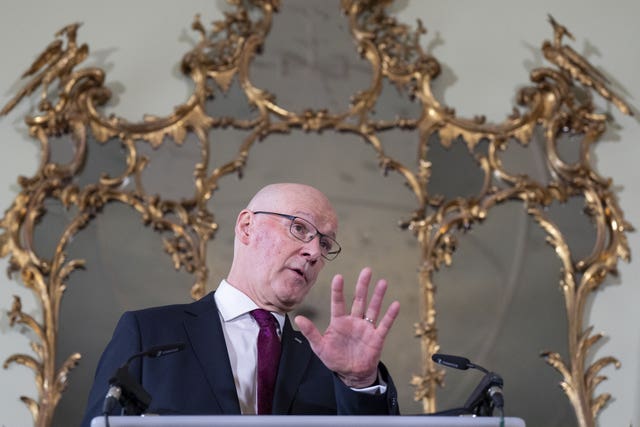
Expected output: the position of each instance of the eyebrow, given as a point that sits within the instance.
(298, 213)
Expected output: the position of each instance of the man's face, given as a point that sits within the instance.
(285, 268)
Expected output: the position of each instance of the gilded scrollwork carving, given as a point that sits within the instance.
(224, 54)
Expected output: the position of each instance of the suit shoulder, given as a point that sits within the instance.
(193, 308)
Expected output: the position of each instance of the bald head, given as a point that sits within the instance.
(274, 196)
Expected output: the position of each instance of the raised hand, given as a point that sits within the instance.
(352, 344)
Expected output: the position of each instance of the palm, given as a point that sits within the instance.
(352, 344)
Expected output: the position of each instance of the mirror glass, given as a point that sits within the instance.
(107, 159)
(231, 103)
(169, 169)
(369, 207)
(395, 103)
(528, 158)
(126, 269)
(125, 266)
(500, 305)
(311, 51)
(455, 172)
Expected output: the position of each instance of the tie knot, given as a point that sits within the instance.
(264, 318)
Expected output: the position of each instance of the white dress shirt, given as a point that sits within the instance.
(241, 336)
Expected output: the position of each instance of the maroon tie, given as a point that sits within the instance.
(268, 358)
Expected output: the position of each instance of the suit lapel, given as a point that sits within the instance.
(207, 341)
(294, 360)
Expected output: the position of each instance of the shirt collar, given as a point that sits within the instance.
(233, 303)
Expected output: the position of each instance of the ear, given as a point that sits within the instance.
(243, 226)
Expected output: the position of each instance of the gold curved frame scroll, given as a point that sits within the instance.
(224, 53)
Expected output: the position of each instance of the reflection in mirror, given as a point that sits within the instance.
(368, 230)
(61, 149)
(126, 268)
(501, 306)
(569, 146)
(578, 229)
(179, 159)
(224, 146)
(50, 226)
(454, 170)
(402, 146)
(107, 158)
(527, 159)
(393, 103)
(232, 103)
(310, 47)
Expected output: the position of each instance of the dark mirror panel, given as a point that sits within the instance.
(501, 307)
(61, 149)
(50, 227)
(395, 103)
(527, 159)
(576, 225)
(569, 146)
(108, 159)
(224, 147)
(454, 170)
(311, 51)
(232, 103)
(401, 146)
(126, 269)
(169, 169)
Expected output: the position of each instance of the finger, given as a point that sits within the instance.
(337, 296)
(389, 317)
(376, 300)
(309, 330)
(360, 297)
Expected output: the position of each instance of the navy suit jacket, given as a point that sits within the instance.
(199, 380)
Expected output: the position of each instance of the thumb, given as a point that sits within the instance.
(309, 330)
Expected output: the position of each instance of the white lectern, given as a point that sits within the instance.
(305, 421)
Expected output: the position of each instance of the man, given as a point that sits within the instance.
(282, 240)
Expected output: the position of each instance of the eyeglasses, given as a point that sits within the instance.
(304, 231)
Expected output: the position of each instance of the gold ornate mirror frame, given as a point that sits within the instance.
(558, 101)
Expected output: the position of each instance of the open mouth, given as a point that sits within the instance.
(298, 271)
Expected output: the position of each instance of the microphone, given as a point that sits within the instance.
(158, 351)
(457, 362)
(490, 386)
(126, 390)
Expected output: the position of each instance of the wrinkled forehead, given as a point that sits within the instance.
(325, 222)
(299, 200)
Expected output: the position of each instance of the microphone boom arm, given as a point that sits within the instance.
(126, 390)
(487, 395)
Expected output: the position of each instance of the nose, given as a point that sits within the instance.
(312, 249)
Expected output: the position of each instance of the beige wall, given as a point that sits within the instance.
(485, 57)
